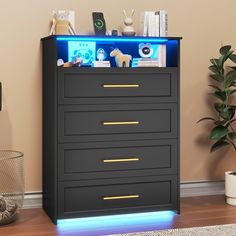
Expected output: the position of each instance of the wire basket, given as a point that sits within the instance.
(11, 185)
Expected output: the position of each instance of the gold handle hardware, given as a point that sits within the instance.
(120, 85)
(120, 123)
(120, 160)
(120, 197)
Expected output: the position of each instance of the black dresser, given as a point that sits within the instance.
(110, 137)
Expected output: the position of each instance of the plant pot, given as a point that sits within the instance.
(230, 187)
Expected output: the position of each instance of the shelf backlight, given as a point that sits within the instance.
(114, 39)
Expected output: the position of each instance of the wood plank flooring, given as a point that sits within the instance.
(195, 211)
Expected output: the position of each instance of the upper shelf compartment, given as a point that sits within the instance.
(162, 52)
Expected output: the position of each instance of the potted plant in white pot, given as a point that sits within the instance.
(223, 133)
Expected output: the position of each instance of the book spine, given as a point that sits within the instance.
(144, 23)
(150, 18)
(163, 23)
(157, 24)
(162, 55)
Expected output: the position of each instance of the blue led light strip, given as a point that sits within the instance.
(113, 39)
(118, 219)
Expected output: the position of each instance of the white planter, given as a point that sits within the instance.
(230, 188)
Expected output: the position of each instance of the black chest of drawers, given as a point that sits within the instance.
(110, 139)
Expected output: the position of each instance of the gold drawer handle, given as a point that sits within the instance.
(120, 85)
(120, 160)
(120, 123)
(120, 197)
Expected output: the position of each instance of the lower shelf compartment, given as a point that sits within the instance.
(86, 198)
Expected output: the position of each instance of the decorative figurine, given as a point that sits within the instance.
(101, 54)
(122, 60)
(61, 24)
(128, 30)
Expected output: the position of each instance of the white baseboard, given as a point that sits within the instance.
(34, 199)
(202, 188)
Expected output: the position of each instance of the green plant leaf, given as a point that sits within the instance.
(214, 61)
(233, 58)
(230, 92)
(218, 132)
(217, 77)
(226, 56)
(232, 136)
(221, 63)
(219, 144)
(206, 118)
(214, 69)
(228, 113)
(230, 78)
(220, 95)
(219, 107)
(225, 49)
(215, 87)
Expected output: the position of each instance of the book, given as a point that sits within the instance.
(157, 24)
(163, 22)
(101, 64)
(144, 23)
(162, 55)
(154, 23)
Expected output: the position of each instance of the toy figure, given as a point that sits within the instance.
(101, 54)
(61, 24)
(128, 30)
(122, 60)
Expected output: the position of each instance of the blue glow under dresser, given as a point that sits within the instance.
(110, 135)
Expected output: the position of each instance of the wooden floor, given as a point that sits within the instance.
(195, 211)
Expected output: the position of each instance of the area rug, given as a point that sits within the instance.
(218, 230)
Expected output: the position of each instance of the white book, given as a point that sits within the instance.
(163, 23)
(157, 24)
(144, 23)
(150, 22)
(154, 23)
(162, 55)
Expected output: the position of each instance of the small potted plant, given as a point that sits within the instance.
(223, 133)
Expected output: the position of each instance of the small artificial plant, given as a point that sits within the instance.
(223, 132)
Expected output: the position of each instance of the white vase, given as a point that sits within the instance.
(230, 188)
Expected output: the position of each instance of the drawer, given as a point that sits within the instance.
(123, 122)
(82, 86)
(78, 161)
(76, 199)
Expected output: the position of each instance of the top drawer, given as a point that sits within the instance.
(96, 85)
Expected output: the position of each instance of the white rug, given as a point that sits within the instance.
(218, 230)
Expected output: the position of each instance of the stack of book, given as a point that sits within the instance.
(154, 23)
(157, 60)
(101, 64)
(148, 62)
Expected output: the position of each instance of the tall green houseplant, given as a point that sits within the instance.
(224, 77)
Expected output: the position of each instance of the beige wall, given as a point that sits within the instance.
(204, 26)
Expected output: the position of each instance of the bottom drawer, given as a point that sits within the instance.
(78, 199)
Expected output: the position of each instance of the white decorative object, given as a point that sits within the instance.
(230, 187)
(128, 29)
(101, 54)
